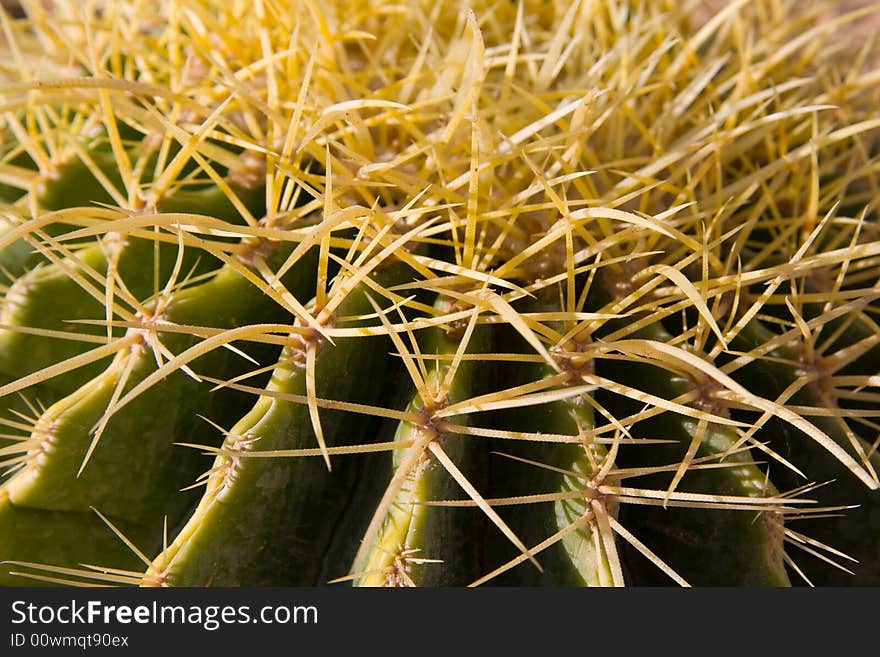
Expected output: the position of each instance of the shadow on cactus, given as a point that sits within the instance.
(406, 294)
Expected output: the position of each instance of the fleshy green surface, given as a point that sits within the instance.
(419, 544)
(270, 521)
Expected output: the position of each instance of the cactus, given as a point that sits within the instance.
(438, 294)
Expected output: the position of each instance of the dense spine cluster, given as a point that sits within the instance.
(438, 294)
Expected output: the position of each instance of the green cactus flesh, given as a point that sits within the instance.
(439, 294)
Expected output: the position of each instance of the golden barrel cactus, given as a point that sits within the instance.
(575, 293)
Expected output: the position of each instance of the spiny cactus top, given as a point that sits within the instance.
(438, 293)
